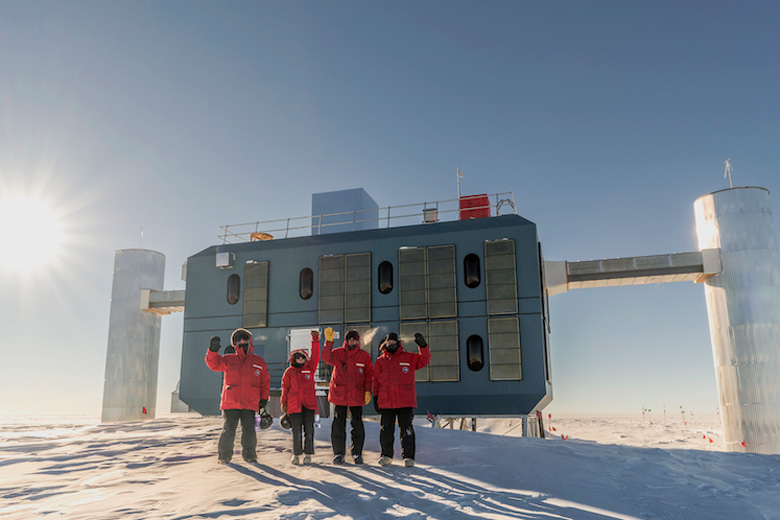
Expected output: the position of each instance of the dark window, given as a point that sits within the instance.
(357, 288)
(385, 277)
(474, 353)
(504, 349)
(441, 282)
(427, 282)
(471, 274)
(344, 288)
(442, 337)
(306, 283)
(233, 289)
(255, 295)
(500, 277)
(412, 303)
(330, 289)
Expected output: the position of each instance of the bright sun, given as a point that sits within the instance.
(30, 233)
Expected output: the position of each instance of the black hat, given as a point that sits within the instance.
(352, 334)
(390, 337)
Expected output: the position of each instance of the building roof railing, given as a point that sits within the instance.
(390, 216)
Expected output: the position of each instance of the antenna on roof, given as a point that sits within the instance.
(459, 177)
(728, 172)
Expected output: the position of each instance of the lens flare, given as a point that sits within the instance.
(30, 232)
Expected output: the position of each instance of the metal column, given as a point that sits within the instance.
(743, 304)
(132, 358)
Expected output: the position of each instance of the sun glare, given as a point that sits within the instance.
(30, 233)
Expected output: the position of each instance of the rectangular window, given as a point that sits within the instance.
(330, 291)
(344, 288)
(504, 347)
(411, 283)
(427, 282)
(255, 312)
(357, 290)
(501, 277)
(442, 338)
(442, 297)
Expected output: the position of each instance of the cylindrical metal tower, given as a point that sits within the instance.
(743, 304)
(132, 359)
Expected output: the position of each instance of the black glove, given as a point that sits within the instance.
(214, 343)
(263, 402)
(376, 406)
(420, 340)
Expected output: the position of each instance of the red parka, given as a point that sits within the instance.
(394, 385)
(298, 383)
(246, 378)
(352, 373)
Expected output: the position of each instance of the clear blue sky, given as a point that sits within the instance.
(606, 119)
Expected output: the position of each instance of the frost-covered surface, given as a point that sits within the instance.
(608, 468)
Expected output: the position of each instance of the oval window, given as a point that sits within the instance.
(471, 273)
(385, 277)
(474, 355)
(233, 289)
(306, 283)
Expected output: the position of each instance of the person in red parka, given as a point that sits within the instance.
(350, 389)
(245, 390)
(299, 399)
(395, 394)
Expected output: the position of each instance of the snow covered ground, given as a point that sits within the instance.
(610, 467)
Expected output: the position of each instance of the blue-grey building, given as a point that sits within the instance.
(472, 287)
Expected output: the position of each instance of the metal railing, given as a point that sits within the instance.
(390, 216)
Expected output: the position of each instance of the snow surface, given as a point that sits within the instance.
(609, 468)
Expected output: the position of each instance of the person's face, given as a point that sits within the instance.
(352, 342)
(392, 346)
(243, 343)
(299, 359)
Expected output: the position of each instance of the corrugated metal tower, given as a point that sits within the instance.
(743, 304)
(132, 359)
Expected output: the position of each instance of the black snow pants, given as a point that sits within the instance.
(228, 435)
(302, 421)
(405, 417)
(338, 431)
